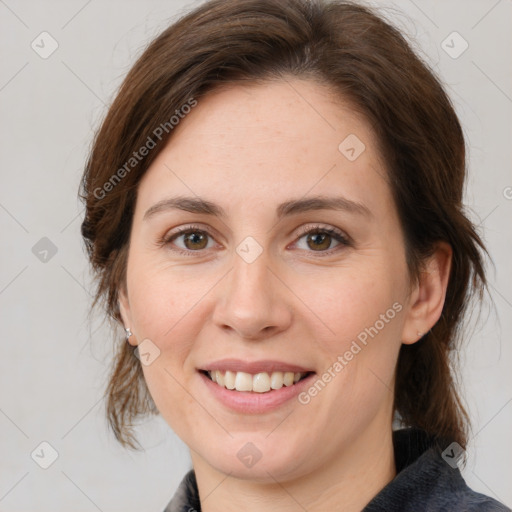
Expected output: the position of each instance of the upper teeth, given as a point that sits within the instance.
(260, 383)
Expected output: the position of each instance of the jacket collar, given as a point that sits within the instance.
(424, 482)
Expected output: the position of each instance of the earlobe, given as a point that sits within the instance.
(429, 294)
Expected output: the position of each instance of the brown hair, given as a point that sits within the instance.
(365, 61)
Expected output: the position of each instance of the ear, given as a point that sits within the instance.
(124, 309)
(428, 295)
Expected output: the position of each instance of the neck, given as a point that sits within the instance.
(348, 481)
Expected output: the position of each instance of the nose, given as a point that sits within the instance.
(253, 302)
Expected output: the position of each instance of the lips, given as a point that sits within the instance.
(268, 366)
(255, 402)
(256, 377)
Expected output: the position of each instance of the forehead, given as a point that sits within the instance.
(262, 142)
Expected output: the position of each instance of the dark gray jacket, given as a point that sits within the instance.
(425, 482)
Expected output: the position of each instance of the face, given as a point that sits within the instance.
(287, 258)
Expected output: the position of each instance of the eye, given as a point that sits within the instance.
(321, 239)
(188, 239)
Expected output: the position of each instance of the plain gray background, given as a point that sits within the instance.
(54, 361)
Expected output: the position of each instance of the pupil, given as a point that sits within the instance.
(195, 238)
(319, 240)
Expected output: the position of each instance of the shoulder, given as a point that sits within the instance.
(471, 501)
(425, 482)
(186, 497)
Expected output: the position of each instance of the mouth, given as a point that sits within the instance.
(261, 382)
(254, 387)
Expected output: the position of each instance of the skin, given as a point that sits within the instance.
(249, 148)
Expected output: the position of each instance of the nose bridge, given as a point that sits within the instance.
(251, 275)
(251, 302)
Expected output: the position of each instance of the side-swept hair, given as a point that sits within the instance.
(366, 62)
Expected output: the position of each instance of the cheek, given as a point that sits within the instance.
(354, 304)
(163, 298)
(361, 311)
(166, 307)
(180, 408)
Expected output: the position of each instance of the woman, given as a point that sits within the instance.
(274, 212)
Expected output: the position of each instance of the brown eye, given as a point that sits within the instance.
(188, 240)
(195, 240)
(319, 241)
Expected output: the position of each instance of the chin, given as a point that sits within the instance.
(254, 457)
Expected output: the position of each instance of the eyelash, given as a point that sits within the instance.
(339, 236)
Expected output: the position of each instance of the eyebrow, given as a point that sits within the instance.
(288, 208)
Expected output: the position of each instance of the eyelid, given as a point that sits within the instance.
(343, 240)
(314, 227)
(167, 238)
(340, 236)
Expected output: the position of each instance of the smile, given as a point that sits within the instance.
(254, 387)
(261, 382)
